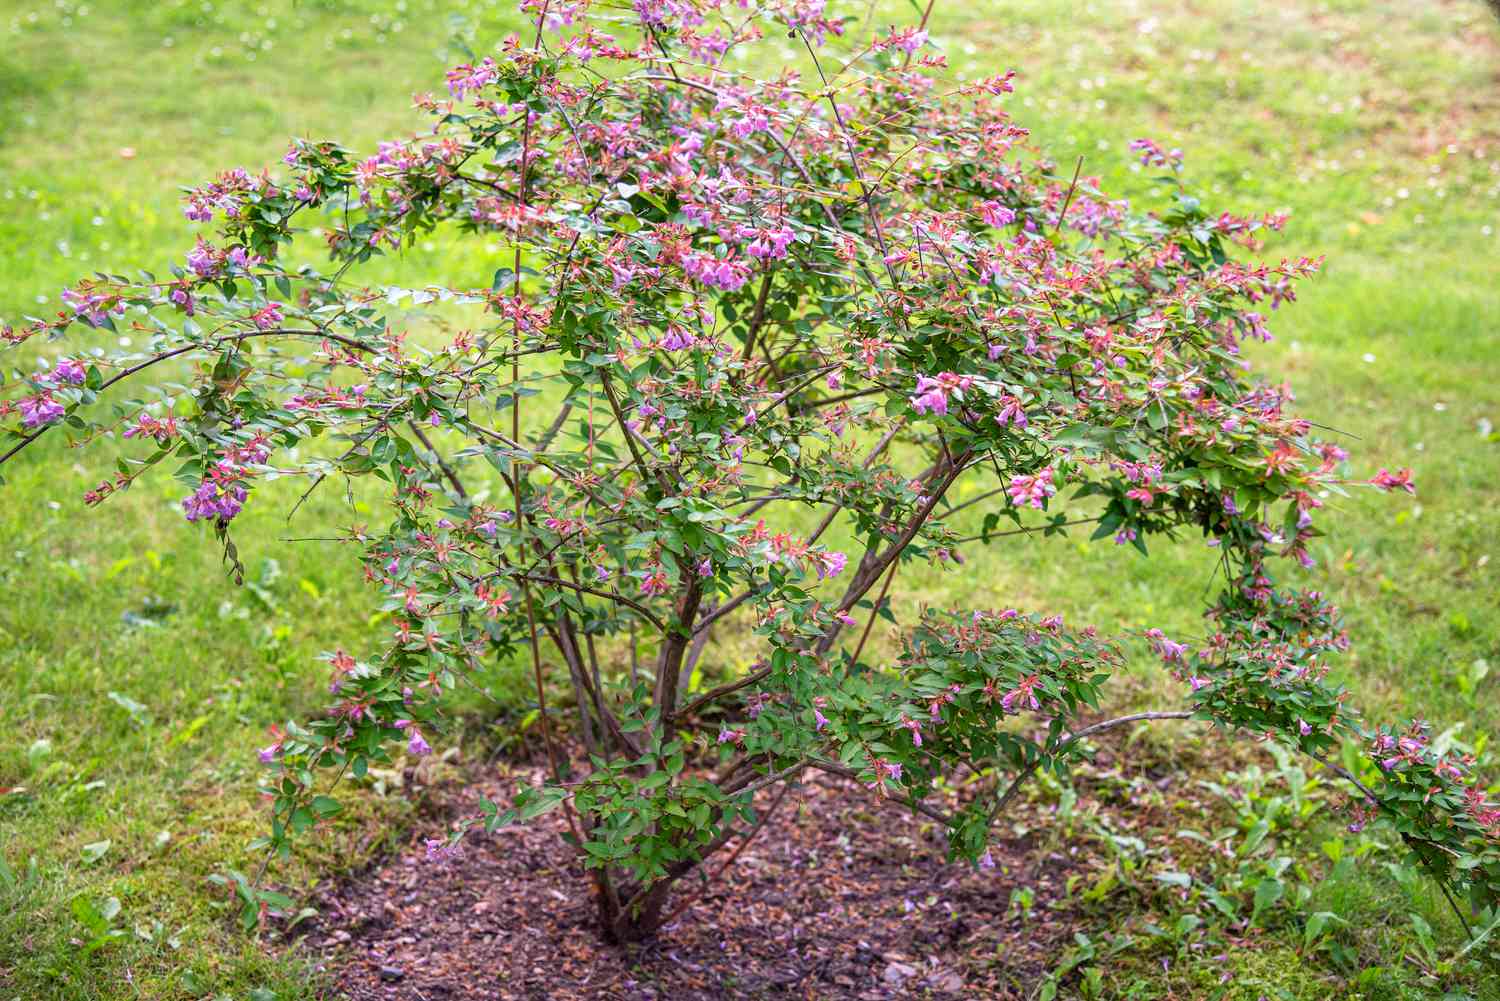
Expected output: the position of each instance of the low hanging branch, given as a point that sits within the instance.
(741, 318)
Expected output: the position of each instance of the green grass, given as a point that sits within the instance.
(1376, 122)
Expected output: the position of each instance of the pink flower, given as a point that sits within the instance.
(1153, 155)
(416, 745)
(770, 243)
(1032, 490)
(724, 273)
(71, 371)
(40, 410)
(242, 258)
(677, 339)
(932, 393)
(908, 39)
(1169, 651)
(215, 498)
(1024, 694)
(754, 119)
(830, 564)
(93, 308)
(149, 426)
(930, 397)
(466, 78)
(441, 850)
(998, 85)
(268, 317)
(1011, 412)
(1401, 480)
(203, 261)
(995, 214)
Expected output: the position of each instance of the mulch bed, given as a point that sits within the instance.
(839, 896)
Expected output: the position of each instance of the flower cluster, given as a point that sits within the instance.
(221, 494)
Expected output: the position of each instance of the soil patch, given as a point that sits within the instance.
(840, 896)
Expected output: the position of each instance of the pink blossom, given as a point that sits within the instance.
(1011, 412)
(40, 410)
(932, 393)
(1401, 480)
(466, 78)
(92, 307)
(1171, 652)
(242, 258)
(1032, 490)
(267, 317)
(1153, 155)
(830, 564)
(723, 273)
(71, 371)
(770, 243)
(1024, 694)
(417, 745)
(203, 261)
(441, 849)
(995, 214)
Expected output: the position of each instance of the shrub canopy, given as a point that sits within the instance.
(732, 313)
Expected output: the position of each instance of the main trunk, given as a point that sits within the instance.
(634, 918)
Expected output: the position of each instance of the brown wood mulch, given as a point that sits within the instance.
(840, 896)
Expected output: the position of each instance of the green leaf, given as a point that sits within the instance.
(139, 713)
(88, 915)
(542, 801)
(1316, 925)
(1267, 892)
(325, 806)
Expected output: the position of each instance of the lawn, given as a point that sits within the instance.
(138, 680)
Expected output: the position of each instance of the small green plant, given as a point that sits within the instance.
(98, 922)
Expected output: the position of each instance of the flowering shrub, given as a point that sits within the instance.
(731, 313)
